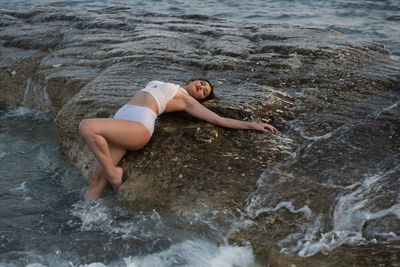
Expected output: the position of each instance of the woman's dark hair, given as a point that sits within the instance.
(211, 96)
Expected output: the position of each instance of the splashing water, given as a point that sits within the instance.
(358, 200)
(44, 222)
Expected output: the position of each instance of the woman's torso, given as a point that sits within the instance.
(143, 98)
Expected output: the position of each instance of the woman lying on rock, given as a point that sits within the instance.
(133, 124)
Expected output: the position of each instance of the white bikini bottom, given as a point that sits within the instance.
(141, 114)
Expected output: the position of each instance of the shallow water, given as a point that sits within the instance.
(43, 221)
(369, 19)
(357, 180)
(344, 182)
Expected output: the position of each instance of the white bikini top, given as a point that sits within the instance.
(162, 93)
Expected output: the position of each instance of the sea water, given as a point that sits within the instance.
(44, 222)
(378, 21)
(357, 180)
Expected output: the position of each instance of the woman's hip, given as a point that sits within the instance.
(141, 114)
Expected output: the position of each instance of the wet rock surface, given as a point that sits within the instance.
(335, 100)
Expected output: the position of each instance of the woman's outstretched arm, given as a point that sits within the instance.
(197, 110)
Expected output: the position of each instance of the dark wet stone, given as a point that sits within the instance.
(307, 82)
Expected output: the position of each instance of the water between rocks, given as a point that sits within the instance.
(44, 222)
(344, 183)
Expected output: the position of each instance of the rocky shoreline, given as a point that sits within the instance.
(83, 65)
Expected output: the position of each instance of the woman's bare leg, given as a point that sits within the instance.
(98, 180)
(99, 133)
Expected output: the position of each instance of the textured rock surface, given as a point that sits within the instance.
(78, 66)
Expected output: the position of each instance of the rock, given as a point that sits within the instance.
(16, 66)
(86, 65)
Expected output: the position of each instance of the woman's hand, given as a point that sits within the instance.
(265, 127)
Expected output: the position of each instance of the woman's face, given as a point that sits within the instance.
(199, 89)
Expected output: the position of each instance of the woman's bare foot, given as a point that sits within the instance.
(116, 180)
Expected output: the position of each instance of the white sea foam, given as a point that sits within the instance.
(196, 253)
(100, 215)
(36, 97)
(352, 211)
(356, 206)
(94, 264)
(21, 187)
(191, 253)
(26, 113)
(376, 114)
(305, 209)
(364, 212)
(233, 256)
(318, 137)
(92, 214)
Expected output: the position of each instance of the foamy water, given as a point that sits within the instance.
(179, 250)
(44, 222)
(364, 204)
(196, 253)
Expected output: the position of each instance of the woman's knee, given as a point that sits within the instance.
(86, 127)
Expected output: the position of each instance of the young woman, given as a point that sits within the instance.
(133, 124)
